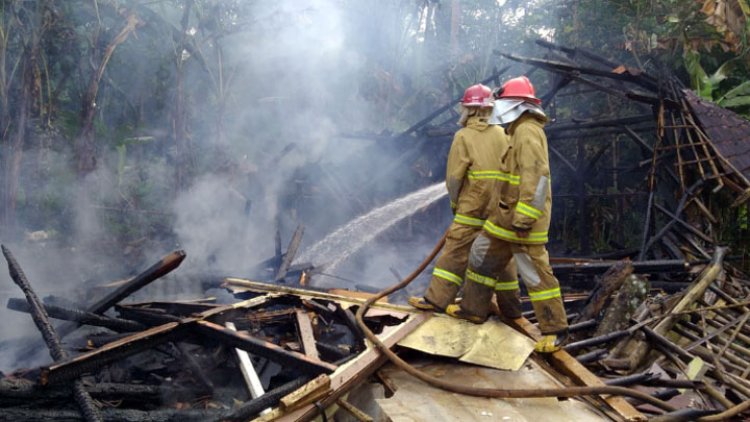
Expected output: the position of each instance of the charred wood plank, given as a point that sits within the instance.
(495, 76)
(309, 393)
(253, 407)
(149, 317)
(135, 343)
(634, 379)
(195, 367)
(291, 253)
(88, 409)
(109, 414)
(643, 80)
(685, 224)
(573, 52)
(90, 361)
(624, 305)
(159, 269)
(609, 283)
(666, 227)
(357, 370)
(618, 122)
(592, 356)
(307, 338)
(16, 391)
(639, 267)
(263, 348)
(81, 317)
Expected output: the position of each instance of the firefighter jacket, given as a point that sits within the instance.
(473, 169)
(525, 202)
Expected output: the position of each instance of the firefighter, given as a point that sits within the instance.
(472, 170)
(518, 221)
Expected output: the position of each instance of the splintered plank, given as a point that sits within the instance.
(568, 365)
(68, 369)
(87, 362)
(291, 253)
(159, 269)
(263, 348)
(353, 372)
(304, 325)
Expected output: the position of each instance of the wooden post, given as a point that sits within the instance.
(86, 404)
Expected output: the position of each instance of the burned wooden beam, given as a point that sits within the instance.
(194, 367)
(634, 379)
(592, 356)
(81, 317)
(90, 361)
(149, 317)
(609, 283)
(110, 415)
(88, 409)
(358, 370)
(639, 267)
(576, 51)
(494, 77)
(253, 407)
(291, 253)
(307, 338)
(20, 390)
(159, 269)
(263, 348)
(617, 123)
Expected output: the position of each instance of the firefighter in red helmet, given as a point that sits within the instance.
(518, 221)
(471, 174)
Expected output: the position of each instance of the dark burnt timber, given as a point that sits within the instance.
(639, 267)
(109, 414)
(291, 253)
(89, 411)
(81, 317)
(67, 369)
(263, 348)
(159, 269)
(251, 408)
(609, 283)
(17, 391)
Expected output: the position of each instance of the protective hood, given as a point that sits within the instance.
(507, 111)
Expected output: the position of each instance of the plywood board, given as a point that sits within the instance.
(492, 344)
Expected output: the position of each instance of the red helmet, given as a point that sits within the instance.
(477, 96)
(520, 88)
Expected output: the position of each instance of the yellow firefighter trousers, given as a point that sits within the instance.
(448, 275)
(487, 259)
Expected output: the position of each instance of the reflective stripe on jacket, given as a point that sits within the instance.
(526, 203)
(473, 169)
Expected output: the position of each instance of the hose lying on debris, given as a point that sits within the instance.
(487, 392)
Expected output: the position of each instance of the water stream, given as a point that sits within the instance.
(349, 238)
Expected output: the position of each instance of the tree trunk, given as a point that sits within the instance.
(85, 144)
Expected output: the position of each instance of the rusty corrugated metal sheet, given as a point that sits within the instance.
(729, 132)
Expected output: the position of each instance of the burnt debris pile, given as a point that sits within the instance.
(191, 360)
(650, 188)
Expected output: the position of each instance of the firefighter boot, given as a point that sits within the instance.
(550, 343)
(422, 304)
(456, 312)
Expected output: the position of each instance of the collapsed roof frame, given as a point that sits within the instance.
(682, 150)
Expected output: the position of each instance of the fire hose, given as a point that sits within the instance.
(486, 392)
